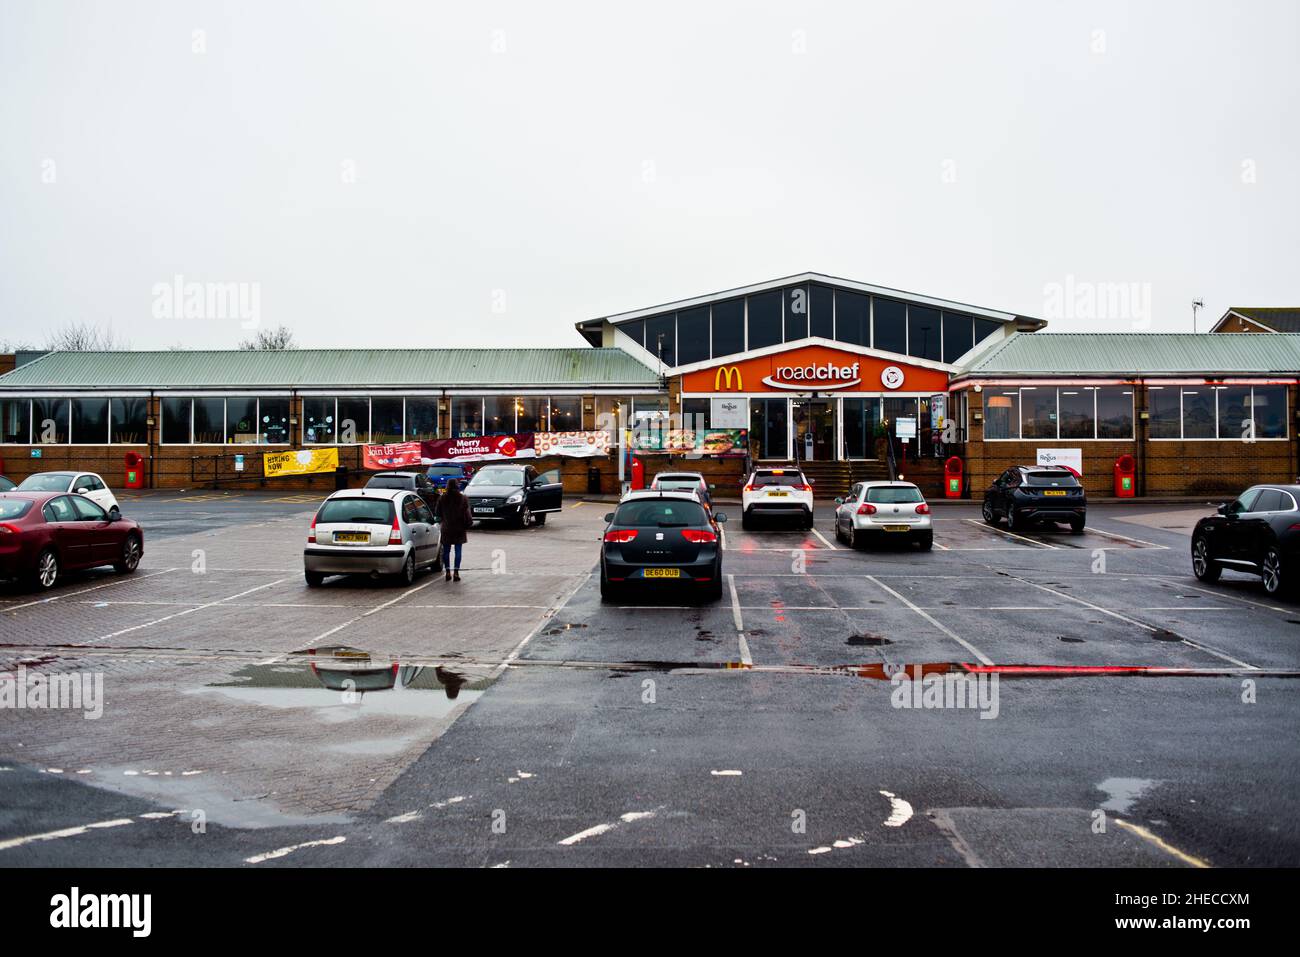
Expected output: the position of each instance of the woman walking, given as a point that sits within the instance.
(453, 512)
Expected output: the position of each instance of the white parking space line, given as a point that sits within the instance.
(63, 832)
(188, 611)
(1224, 595)
(73, 594)
(745, 657)
(1003, 531)
(1126, 538)
(983, 659)
(824, 540)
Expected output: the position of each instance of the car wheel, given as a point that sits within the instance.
(1203, 566)
(47, 571)
(437, 561)
(130, 556)
(926, 542)
(745, 521)
(1272, 572)
(853, 538)
(525, 516)
(1014, 522)
(839, 532)
(990, 516)
(714, 591)
(1076, 527)
(808, 521)
(606, 588)
(407, 574)
(539, 519)
(314, 579)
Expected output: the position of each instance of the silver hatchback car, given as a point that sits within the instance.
(372, 531)
(884, 511)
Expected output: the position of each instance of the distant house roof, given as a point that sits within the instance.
(1273, 318)
(333, 368)
(1136, 354)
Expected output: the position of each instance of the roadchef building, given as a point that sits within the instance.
(809, 368)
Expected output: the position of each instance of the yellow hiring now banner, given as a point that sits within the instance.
(302, 462)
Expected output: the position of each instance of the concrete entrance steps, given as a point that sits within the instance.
(831, 479)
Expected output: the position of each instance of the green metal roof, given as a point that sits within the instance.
(333, 368)
(1137, 353)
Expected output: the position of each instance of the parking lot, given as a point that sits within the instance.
(527, 722)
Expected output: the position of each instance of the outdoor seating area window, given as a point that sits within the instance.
(421, 418)
(1166, 412)
(498, 415)
(530, 413)
(1002, 414)
(466, 416)
(176, 421)
(209, 421)
(241, 421)
(89, 422)
(129, 421)
(49, 421)
(386, 420)
(1064, 412)
(566, 413)
(1238, 413)
(353, 420)
(613, 412)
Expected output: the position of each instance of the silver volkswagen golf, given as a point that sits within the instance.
(372, 531)
(883, 511)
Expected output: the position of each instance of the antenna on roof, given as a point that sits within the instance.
(1197, 305)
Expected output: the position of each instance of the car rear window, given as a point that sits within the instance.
(365, 511)
(888, 495)
(53, 482)
(660, 512)
(672, 485)
(1051, 478)
(436, 471)
(777, 478)
(689, 479)
(12, 508)
(391, 481)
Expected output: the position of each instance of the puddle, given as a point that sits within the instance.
(1069, 639)
(1122, 793)
(563, 628)
(1164, 634)
(871, 641)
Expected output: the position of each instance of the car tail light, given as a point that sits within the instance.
(621, 536)
(311, 535)
(698, 536)
(6, 529)
(866, 508)
(395, 536)
(802, 488)
(923, 509)
(749, 488)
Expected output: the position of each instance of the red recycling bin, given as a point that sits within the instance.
(952, 470)
(134, 474)
(1125, 476)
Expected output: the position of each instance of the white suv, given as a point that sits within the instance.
(777, 492)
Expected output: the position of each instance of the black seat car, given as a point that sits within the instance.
(1025, 494)
(1259, 533)
(656, 540)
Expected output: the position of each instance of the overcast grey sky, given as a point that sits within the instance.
(453, 174)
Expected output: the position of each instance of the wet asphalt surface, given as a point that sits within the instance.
(535, 725)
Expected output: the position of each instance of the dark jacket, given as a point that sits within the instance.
(455, 520)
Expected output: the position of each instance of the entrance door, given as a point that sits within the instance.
(815, 430)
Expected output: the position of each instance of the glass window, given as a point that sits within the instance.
(88, 511)
(860, 418)
(728, 327)
(1002, 414)
(1270, 500)
(421, 418)
(661, 337)
(852, 318)
(1166, 413)
(649, 407)
(796, 313)
(1078, 419)
(1198, 413)
(1037, 413)
(531, 413)
(129, 419)
(15, 421)
(241, 421)
(768, 429)
(765, 319)
(985, 328)
(176, 421)
(635, 330)
(386, 420)
(1268, 406)
(49, 421)
(273, 421)
(958, 336)
(923, 333)
(889, 326)
(210, 421)
(566, 413)
(695, 414)
(613, 412)
(318, 421)
(90, 421)
(692, 336)
(822, 317)
(354, 421)
(1234, 412)
(1114, 412)
(498, 415)
(466, 416)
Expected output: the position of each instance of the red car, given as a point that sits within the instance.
(44, 534)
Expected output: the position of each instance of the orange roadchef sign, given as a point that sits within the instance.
(816, 369)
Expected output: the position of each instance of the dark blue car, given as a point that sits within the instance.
(440, 473)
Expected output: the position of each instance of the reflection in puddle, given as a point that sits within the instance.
(1123, 792)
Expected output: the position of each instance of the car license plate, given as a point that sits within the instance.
(662, 573)
(777, 494)
(353, 538)
(1055, 491)
(484, 511)
(898, 528)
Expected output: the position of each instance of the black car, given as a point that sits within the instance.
(514, 494)
(1259, 533)
(655, 540)
(416, 482)
(1025, 494)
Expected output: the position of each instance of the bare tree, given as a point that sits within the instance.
(270, 340)
(84, 337)
(15, 345)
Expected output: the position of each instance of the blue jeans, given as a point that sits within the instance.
(446, 555)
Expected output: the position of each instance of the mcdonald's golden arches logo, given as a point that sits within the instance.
(724, 375)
